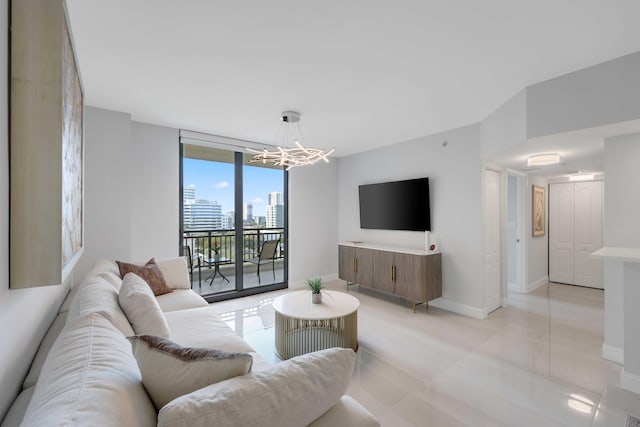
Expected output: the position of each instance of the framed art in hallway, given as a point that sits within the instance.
(538, 210)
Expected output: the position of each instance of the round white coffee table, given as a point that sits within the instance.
(302, 327)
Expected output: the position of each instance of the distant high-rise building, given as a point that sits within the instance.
(205, 214)
(274, 198)
(274, 210)
(275, 216)
(247, 214)
(228, 221)
(188, 198)
(261, 221)
(189, 192)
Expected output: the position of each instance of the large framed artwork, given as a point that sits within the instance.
(538, 210)
(72, 148)
(46, 146)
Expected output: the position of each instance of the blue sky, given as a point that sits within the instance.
(215, 181)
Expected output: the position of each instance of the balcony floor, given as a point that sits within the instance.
(205, 286)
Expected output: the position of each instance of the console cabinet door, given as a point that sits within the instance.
(410, 276)
(347, 263)
(364, 266)
(383, 271)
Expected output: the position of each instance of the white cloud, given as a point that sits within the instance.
(222, 184)
(257, 200)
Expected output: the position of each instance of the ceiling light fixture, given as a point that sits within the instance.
(287, 155)
(543, 159)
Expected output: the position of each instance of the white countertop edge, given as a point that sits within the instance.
(617, 253)
(380, 247)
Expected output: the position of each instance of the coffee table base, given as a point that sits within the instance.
(295, 336)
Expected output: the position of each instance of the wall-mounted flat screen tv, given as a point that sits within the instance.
(398, 205)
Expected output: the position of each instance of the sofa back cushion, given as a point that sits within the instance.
(95, 294)
(289, 394)
(141, 307)
(45, 346)
(90, 378)
(175, 272)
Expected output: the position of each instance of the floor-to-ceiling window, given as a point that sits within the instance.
(233, 222)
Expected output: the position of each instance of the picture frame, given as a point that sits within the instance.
(538, 211)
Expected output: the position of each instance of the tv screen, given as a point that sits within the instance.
(398, 205)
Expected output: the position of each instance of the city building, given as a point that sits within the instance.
(274, 210)
(247, 214)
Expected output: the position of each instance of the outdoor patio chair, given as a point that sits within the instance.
(267, 254)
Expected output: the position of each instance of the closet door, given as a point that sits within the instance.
(561, 235)
(588, 233)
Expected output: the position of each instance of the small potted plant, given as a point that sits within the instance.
(315, 285)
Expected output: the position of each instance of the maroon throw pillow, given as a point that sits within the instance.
(150, 273)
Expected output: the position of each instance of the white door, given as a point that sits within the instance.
(588, 233)
(561, 240)
(492, 239)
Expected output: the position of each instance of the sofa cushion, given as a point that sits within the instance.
(347, 412)
(180, 299)
(149, 272)
(292, 393)
(170, 370)
(90, 378)
(97, 295)
(175, 272)
(43, 350)
(18, 408)
(113, 279)
(201, 327)
(141, 307)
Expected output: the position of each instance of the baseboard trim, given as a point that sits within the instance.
(456, 307)
(302, 284)
(614, 354)
(532, 286)
(630, 381)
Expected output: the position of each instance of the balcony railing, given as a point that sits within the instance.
(206, 244)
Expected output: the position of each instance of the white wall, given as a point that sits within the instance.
(313, 222)
(107, 187)
(155, 193)
(599, 95)
(621, 213)
(622, 205)
(537, 247)
(25, 314)
(454, 173)
(505, 127)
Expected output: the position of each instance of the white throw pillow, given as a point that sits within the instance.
(170, 370)
(289, 394)
(141, 307)
(175, 272)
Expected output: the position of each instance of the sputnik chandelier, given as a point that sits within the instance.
(286, 155)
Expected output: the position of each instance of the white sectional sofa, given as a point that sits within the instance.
(84, 372)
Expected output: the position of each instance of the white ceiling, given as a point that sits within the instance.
(580, 151)
(362, 73)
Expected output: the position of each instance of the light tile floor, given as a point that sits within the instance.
(534, 363)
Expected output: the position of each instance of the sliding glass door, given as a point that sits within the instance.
(233, 222)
